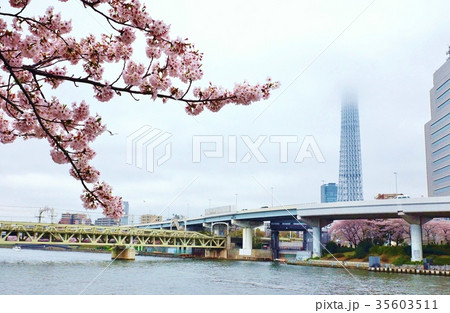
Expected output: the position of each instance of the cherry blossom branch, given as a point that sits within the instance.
(11, 104)
(47, 132)
(27, 109)
(119, 89)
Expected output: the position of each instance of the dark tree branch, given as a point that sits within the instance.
(117, 89)
(47, 132)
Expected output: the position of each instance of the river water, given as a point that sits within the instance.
(28, 272)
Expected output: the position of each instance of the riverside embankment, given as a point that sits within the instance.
(385, 268)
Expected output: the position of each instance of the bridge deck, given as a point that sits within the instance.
(292, 214)
(12, 233)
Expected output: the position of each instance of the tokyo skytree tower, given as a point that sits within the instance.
(350, 169)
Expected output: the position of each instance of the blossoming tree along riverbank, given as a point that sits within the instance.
(436, 231)
(38, 54)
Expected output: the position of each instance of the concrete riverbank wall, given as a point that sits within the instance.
(385, 268)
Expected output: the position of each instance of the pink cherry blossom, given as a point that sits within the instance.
(39, 53)
(104, 94)
(127, 36)
(18, 3)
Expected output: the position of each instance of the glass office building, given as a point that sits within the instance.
(437, 134)
(328, 192)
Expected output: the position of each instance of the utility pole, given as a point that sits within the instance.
(52, 215)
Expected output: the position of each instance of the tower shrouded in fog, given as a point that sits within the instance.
(350, 168)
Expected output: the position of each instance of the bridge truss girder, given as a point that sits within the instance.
(85, 235)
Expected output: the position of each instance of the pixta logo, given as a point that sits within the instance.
(144, 145)
(213, 146)
(148, 148)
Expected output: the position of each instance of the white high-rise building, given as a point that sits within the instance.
(126, 211)
(437, 134)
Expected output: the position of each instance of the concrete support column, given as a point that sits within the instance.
(307, 241)
(275, 244)
(415, 226)
(316, 225)
(317, 235)
(247, 238)
(247, 235)
(416, 242)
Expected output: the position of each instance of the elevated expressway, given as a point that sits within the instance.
(281, 218)
(416, 211)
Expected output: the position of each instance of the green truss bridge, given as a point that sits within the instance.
(124, 240)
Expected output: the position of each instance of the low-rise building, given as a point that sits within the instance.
(383, 196)
(106, 221)
(150, 218)
(75, 219)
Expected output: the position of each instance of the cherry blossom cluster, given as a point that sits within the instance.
(6, 132)
(112, 206)
(38, 54)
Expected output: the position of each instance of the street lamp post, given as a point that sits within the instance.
(272, 195)
(235, 207)
(395, 173)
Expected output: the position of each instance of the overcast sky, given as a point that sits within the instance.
(317, 50)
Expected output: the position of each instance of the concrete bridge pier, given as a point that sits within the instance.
(307, 240)
(218, 229)
(247, 235)
(216, 253)
(316, 225)
(415, 225)
(275, 244)
(123, 253)
(247, 241)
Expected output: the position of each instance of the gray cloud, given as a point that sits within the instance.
(387, 56)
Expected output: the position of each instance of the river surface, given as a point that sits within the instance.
(41, 272)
